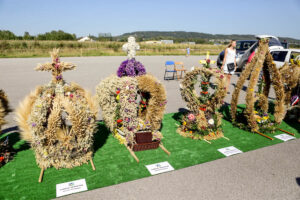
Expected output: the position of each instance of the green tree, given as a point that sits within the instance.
(7, 35)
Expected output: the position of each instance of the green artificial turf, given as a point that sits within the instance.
(114, 164)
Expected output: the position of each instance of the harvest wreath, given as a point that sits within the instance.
(58, 120)
(203, 121)
(290, 75)
(4, 108)
(134, 124)
(255, 117)
(6, 151)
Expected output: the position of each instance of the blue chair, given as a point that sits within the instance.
(169, 68)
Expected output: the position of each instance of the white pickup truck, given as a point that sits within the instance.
(281, 56)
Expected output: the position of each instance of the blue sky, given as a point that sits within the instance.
(276, 17)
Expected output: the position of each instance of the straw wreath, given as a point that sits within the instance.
(58, 120)
(203, 121)
(258, 120)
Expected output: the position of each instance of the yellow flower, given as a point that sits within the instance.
(184, 123)
(258, 120)
(255, 112)
(251, 90)
(265, 117)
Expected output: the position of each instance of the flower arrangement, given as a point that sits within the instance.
(132, 68)
(6, 151)
(128, 119)
(58, 119)
(122, 113)
(203, 121)
(249, 119)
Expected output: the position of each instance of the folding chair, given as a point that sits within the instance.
(179, 67)
(168, 65)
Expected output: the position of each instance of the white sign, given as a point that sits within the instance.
(159, 168)
(229, 151)
(70, 187)
(284, 137)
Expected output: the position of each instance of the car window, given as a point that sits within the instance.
(274, 42)
(279, 55)
(244, 45)
(295, 56)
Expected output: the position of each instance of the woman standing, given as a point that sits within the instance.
(229, 62)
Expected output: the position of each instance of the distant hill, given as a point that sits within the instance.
(192, 36)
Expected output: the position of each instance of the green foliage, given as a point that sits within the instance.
(7, 35)
(56, 35)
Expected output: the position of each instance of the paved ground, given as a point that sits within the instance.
(268, 173)
(265, 174)
(18, 78)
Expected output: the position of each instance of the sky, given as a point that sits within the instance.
(275, 17)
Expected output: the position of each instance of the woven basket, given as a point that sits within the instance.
(146, 146)
(143, 137)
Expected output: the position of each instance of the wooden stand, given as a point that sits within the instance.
(41, 175)
(132, 153)
(164, 149)
(264, 135)
(42, 171)
(136, 158)
(92, 163)
(286, 132)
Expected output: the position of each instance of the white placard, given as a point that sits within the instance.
(284, 137)
(159, 168)
(71, 187)
(229, 151)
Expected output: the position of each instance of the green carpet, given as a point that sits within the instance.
(114, 164)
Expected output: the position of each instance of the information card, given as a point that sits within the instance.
(229, 151)
(284, 137)
(159, 168)
(71, 187)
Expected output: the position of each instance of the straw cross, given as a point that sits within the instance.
(130, 47)
(56, 67)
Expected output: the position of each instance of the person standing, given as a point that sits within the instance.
(229, 62)
(188, 52)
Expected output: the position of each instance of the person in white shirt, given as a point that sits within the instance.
(229, 62)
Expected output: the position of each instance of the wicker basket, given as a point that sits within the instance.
(143, 137)
(146, 146)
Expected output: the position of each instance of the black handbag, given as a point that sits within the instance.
(230, 67)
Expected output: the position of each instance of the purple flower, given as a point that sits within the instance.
(59, 77)
(33, 124)
(131, 68)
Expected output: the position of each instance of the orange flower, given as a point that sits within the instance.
(206, 92)
(1, 158)
(118, 92)
(119, 120)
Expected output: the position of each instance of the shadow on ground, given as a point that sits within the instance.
(101, 135)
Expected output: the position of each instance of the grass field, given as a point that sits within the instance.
(114, 165)
(23, 48)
